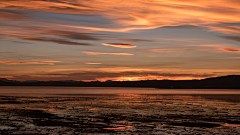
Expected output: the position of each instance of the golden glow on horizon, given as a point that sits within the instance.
(149, 77)
(119, 69)
(178, 74)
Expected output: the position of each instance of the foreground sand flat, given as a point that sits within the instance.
(119, 114)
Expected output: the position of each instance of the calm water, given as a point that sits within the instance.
(109, 90)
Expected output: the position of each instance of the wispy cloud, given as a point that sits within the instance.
(119, 45)
(70, 34)
(24, 62)
(12, 15)
(226, 29)
(46, 39)
(123, 29)
(147, 14)
(234, 57)
(91, 63)
(230, 49)
(55, 40)
(235, 38)
(183, 26)
(42, 34)
(60, 6)
(208, 48)
(97, 53)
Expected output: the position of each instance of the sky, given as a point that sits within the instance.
(120, 40)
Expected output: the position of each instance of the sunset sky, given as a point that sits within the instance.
(119, 39)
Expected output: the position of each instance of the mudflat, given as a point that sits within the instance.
(163, 114)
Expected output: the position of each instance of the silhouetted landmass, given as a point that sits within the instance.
(223, 82)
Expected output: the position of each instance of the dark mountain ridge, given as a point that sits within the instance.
(223, 82)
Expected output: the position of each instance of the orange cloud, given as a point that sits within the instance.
(235, 57)
(60, 6)
(124, 29)
(141, 14)
(21, 62)
(12, 15)
(147, 77)
(211, 45)
(225, 29)
(97, 53)
(230, 49)
(92, 63)
(170, 12)
(119, 45)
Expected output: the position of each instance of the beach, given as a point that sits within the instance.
(57, 114)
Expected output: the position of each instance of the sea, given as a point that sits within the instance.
(108, 90)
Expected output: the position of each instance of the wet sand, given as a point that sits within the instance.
(119, 114)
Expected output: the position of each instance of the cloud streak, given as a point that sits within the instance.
(97, 53)
(12, 15)
(225, 29)
(44, 39)
(23, 62)
(41, 62)
(42, 34)
(230, 49)
(91, 63)
(70, 34)
(235, 38)
(119, 45)
(59, 6)
(54, 40)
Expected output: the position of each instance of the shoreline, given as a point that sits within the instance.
(119, 114)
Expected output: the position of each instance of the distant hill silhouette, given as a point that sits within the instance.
(223, 82)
